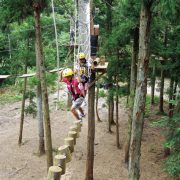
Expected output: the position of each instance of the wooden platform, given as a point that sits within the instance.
(101, 68)
(27, 75)
(4, 76)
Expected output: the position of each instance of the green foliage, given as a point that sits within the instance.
(102, 93)
(9, 98)
(123, 91)
(172, 136)
(31, 109)
(172, 165)
(61, 105)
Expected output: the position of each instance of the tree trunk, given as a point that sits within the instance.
(23, 107)
(132, 87)
(171, 97)
(140, 94)
(110, 110)
(69, 100)
(161, 98)
(97, 98)
(40, 64)
(91, 131)
(175, 88)
(153, 82)
(167, 150)
(117, 114)
(41, 148)
(109, 15)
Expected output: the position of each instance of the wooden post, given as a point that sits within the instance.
(70, 142)
(60, 160)
(91, 118)
(74, 128)
(54, 173)
(73, 134)
(78, 124)
(64, 150)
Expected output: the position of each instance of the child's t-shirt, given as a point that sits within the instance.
(73, 87)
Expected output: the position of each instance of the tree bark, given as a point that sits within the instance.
(23, 107)
(69, 100)
(171, 97)
(167, 150)
(132, 87)
(153, 82)
(140, 94)
(117, 114)
(40, 64)
(41, 148)
(161, 97)
(91, 131)
(97, 98)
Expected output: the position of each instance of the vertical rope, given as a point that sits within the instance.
(57, 51)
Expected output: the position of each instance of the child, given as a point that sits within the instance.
(83, 73)
(73, 88)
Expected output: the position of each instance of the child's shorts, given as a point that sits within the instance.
(77, 103)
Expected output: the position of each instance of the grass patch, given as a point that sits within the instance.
(9, 98)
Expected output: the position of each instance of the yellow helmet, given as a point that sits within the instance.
(67, 72)
(82, 56)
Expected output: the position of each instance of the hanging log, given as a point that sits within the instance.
(54, 173)
(60, 160)
(64, 150)
(70, 142)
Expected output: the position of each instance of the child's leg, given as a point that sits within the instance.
(75, 113)
(81, 111)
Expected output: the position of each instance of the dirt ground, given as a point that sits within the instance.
(23, 163)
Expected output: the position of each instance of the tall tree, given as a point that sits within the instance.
(38, 6)
(140, 94)
(132, 87)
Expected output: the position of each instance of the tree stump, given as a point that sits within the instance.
(54, 173)
(60, 160)
(73, 134)
(74, 128)
(64, 150)
(70, 142)
(78, 124)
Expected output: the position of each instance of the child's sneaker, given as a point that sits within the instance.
(82, 115)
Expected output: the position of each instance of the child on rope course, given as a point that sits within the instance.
(67, 76)
(82, 72)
